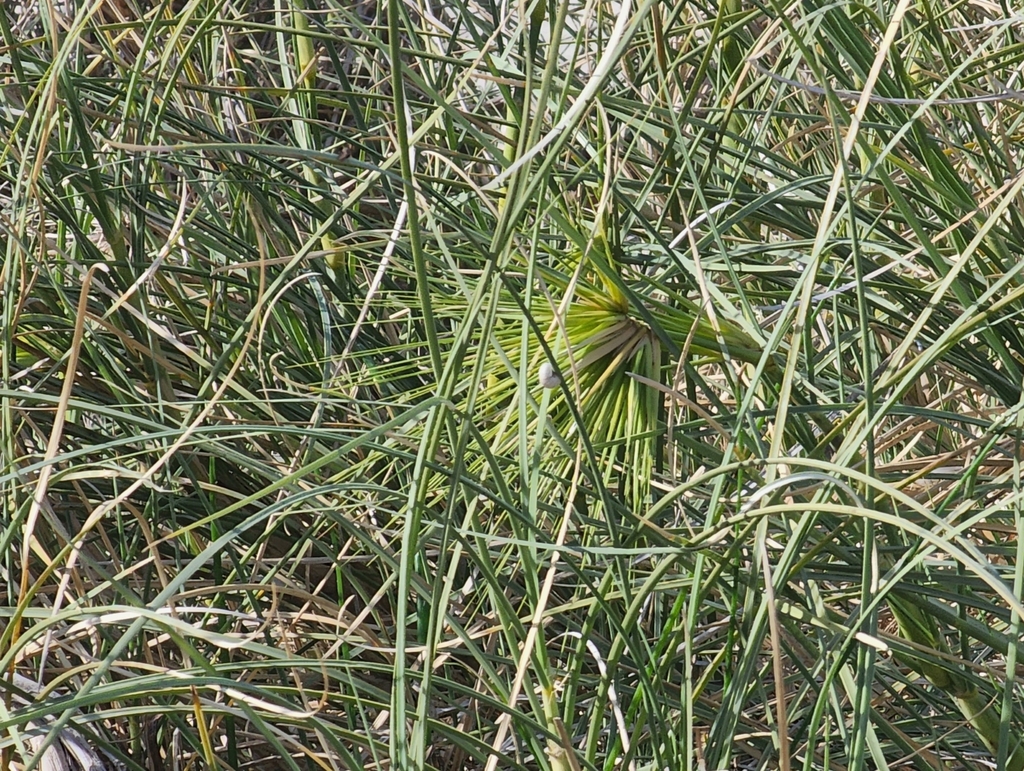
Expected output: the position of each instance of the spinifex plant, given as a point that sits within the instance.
(616, 337)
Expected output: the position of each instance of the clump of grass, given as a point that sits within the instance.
(281, 483)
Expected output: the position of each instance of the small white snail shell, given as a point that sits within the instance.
(547, 376)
